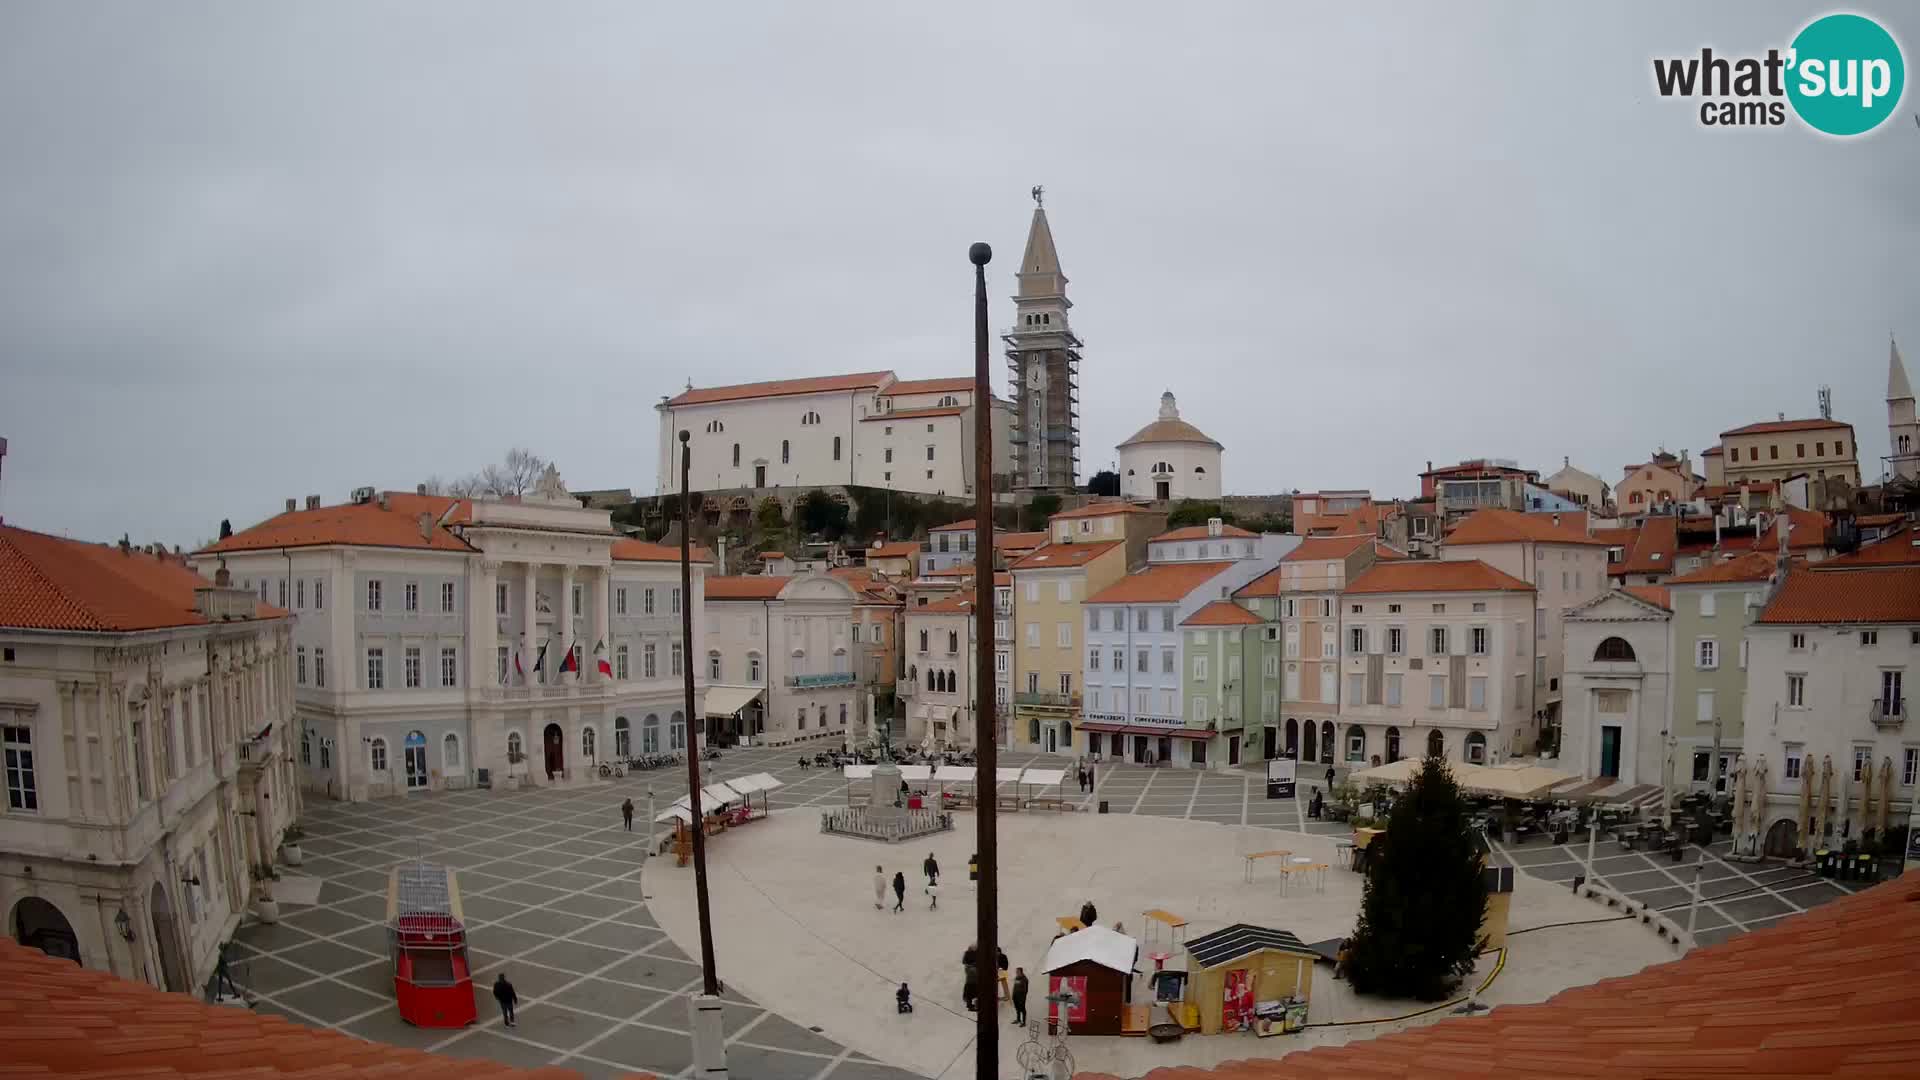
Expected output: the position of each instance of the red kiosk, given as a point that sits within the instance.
(426, 934)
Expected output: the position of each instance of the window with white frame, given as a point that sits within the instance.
(1706, 654)
(1437, 641)
(1797, 642)
(649, 660)
(1796, 690)
(411, 596)
(1909, 766)
(1033, 592)
(411, 661)
(283, 592)
(1862, 761)
(1168, 666)
(1707, 597)
(1093, 659)
(620, 600)
(622, 662)
(1396, 641)
(446, 596)
(753, 668)
(1200, 667)
(1199, 709)
(377, 755)
(1166, 619)
(574, 601)
(675, 658)
(1033, 634)
(373, 594)
(449, 666)
(1356, 640)
(1066, 682)
(1140, 660)
(1119, 660)
(1329, 644)
(376, 669)
(1479, 640)
(1794, 754)
(300, 593)
(1093, 620)
(1063, 635)
(500, 661)
(319, 666)
(300, 665)
(500, 599)
(1356, 688)
(1703, 708)
(1392, 688)
(23, 781)
(1290, 686)
(1116, 619)
(1477, 693)
(646, 601)
(1869, 637)
(1063, 591)
(713, 666)
(1436, 691)
(1270, 666)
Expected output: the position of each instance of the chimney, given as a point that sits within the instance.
(383, 500)
(291, 503)
(419, 489)
(1782, 416)
(313, 502)
(222, 577)
(125, 547)
(426, 526)
(1213, 526)
(720, 555)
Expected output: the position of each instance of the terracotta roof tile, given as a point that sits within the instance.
(1199, 532)
(1752, 566)
(1777, 1002)
(1901, 548)
(359, 525)
(1159, 583)
(1222, 613)
(864, 380)
(913, 414)
(630, 550)
(1314, 548)
(1653, 550)
(1808, 529)
(1169, 431)
(1623, 536)
(1433, 575)
(898, 549)
(1267, 584)
(1652, 594)
(1057, 556)
(1769, 426)
(1879, 595)
(754, 587)
(1100, 509)
(51, 583)
(1712, 451)
(1018, 540)
(960, 603)
(957, 570)
(932, 386)
(1512, 527)
(954, 526)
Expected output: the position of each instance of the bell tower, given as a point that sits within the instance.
(1903, 431)
(1043, 367)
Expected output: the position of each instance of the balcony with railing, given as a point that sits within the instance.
(816, 682)
(1047, 699)
(1888, 714)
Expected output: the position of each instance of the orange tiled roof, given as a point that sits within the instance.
(1652, 594)
(956, 570)
(1222, 613)
(1267, 584)
(1101, 509)
(1809, 530)
(865, 380)
(1055, 556)
(65, 1020)
(755, 587)
(1766, 427)
(1712, 451)
(1620, 537)
(1017, 540)
(1493, 526)
(1159, 583)
(1653, 549)
(359, 525)
(1881, 595)
(959, 603)
(1003, 578)
(1899, 548)
(1363, 519)
(954, 526)
(1826, 993)
(51, 583)
(631, 550)
(1199, 532)
(1433, 575)
(932, 386)
(1385, 551)
(1870, 520)
(898, 549)
(1752, 566)
(1327, 547)
(914, 414)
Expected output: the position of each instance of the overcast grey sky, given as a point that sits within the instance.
(249, 251)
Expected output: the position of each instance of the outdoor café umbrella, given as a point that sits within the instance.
(1758, 801)
(1739, 796)
(1806, 804)
(1842, 817)
(1886, 791)
(1823, 804)
(1866, 797)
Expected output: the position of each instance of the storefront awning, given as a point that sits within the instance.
(728, 700)
(1173, 732)
(1103, 728)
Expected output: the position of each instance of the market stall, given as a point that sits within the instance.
(1244, 977)
(427, 940)
(959, 775)
(1043, 780)
(1097, 964)
(755, 784)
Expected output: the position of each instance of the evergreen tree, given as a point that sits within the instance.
(1425, 895)
(1194, 512)
(1104, 482)
(1039, 510)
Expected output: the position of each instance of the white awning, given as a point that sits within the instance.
(1108, 948)
(727, 700)
(858, 772)
(717, 794)
(756, 782)
(916, 772)
(675, 813)
(956, 774)
(1043, 777)
(1004, 775)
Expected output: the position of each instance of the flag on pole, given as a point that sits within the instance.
(539, 662)
(519, 666)
(566, 661)
(600, 652)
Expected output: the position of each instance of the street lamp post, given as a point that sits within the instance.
(703, 1009)
(987, 1040)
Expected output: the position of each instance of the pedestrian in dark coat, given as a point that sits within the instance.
(503, 993)
(899, 891)
(1019, 997)
(970, 993)
(1329, 778)
(1088, 916)
(626, 814)
(931, 869)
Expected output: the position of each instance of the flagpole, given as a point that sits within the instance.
(986, 742)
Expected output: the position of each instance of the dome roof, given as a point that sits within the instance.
(1169, 428)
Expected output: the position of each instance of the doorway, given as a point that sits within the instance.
(759, 476)
(1162, 490)
(1610, 751)
(1268, 737)
(1119, 746)
(1165, 749)
(556, 748)
(1053, 739)
(1326, 742)
(1783, 839)
(1139, 749)
(166, 939)
(37, 924)
(415, 752)
(1233, 749)
(1393, 745)
(1307, 746)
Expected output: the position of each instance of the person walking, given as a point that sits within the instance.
(503, 993)
(970, 992)
(879, 888)
(223, 975)
(1088, 915)
(1019, 997)
(626, 814)
(899, 890)
(1091, 783)
(931, 869)
(1329, 778)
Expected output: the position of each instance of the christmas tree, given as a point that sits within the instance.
(1420, 914)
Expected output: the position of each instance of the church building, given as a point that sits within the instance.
(1170, 459)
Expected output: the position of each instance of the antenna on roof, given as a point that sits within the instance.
(1826, 403)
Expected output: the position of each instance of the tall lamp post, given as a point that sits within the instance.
(987, 1041)
(704, 1009)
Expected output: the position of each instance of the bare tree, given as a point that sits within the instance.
(514, 476)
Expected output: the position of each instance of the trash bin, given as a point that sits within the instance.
(1103, 806)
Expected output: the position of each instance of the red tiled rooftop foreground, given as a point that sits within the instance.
(1833, 992)
(58, 1019)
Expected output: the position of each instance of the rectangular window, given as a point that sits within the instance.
(1539, 622)
(1703, 708)
(1290, 686)
(319, 667)
(23, 783)
(449, 667)
(1063, 591)
(1356, 640)
(1396, 641)
(1909, 766)
(300, 665)
(1066, 683)
(1479, 607)
(373, 595)
(500, 598)
(411, 594)
(500, 663)
(1795, 754)
(446, 596)
(646, 602)
(620, 600)
(1093, 659)
(1479, 640)
(1289, 605)
(1093, 620)
(622, 663)
(1033, 634)
(1437, 641)
(411, 660)
(1167, 665)
(1862, 761)
(1477, 693)
(1200, 667)
(1436, 691)
(1033, 593)
(1033, 682)
(673, 600)
(1329, 645)
(1356, 688)
(300, 593)
(1707, 604)
(1199, 707)
(1120, 661)
(1166, 619)
(1326, 608)
(1706, 654)
(574, 605)
(1393, 688)
(649, 660)
(283, 592)
(1117, 618)
(1270, 667)
(1520, 637)
(376, 669)
(1439, 609)
(1869, 637)
(1796, 691)
(1140, 617)
(1063, 635)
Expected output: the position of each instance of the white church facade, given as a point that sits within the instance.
(1170, 459)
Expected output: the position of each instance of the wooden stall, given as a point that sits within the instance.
(1097, 964)
(427, 940)
(1234, 969)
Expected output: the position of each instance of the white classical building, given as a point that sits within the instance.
(433, 634)
(144, 714)
(871, 428)
(1170, 459)
(941, 684)
(779, 652)
(1619, 685)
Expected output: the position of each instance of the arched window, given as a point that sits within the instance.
(1200, 470)
(1614, 649)
(586, 744)
(736, 455)
(753, 667)
(715, 427)
(515, 749)
(930, 678)
(713, 666)
(450, 759)
(1436, 744)
(786, 452)
(1326, 741)
(913, 674)
(1293, 737)
(677, 732)
(377, 755)
(650, 734)
(1393, 745)
(1476, 748)
(622, 738)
